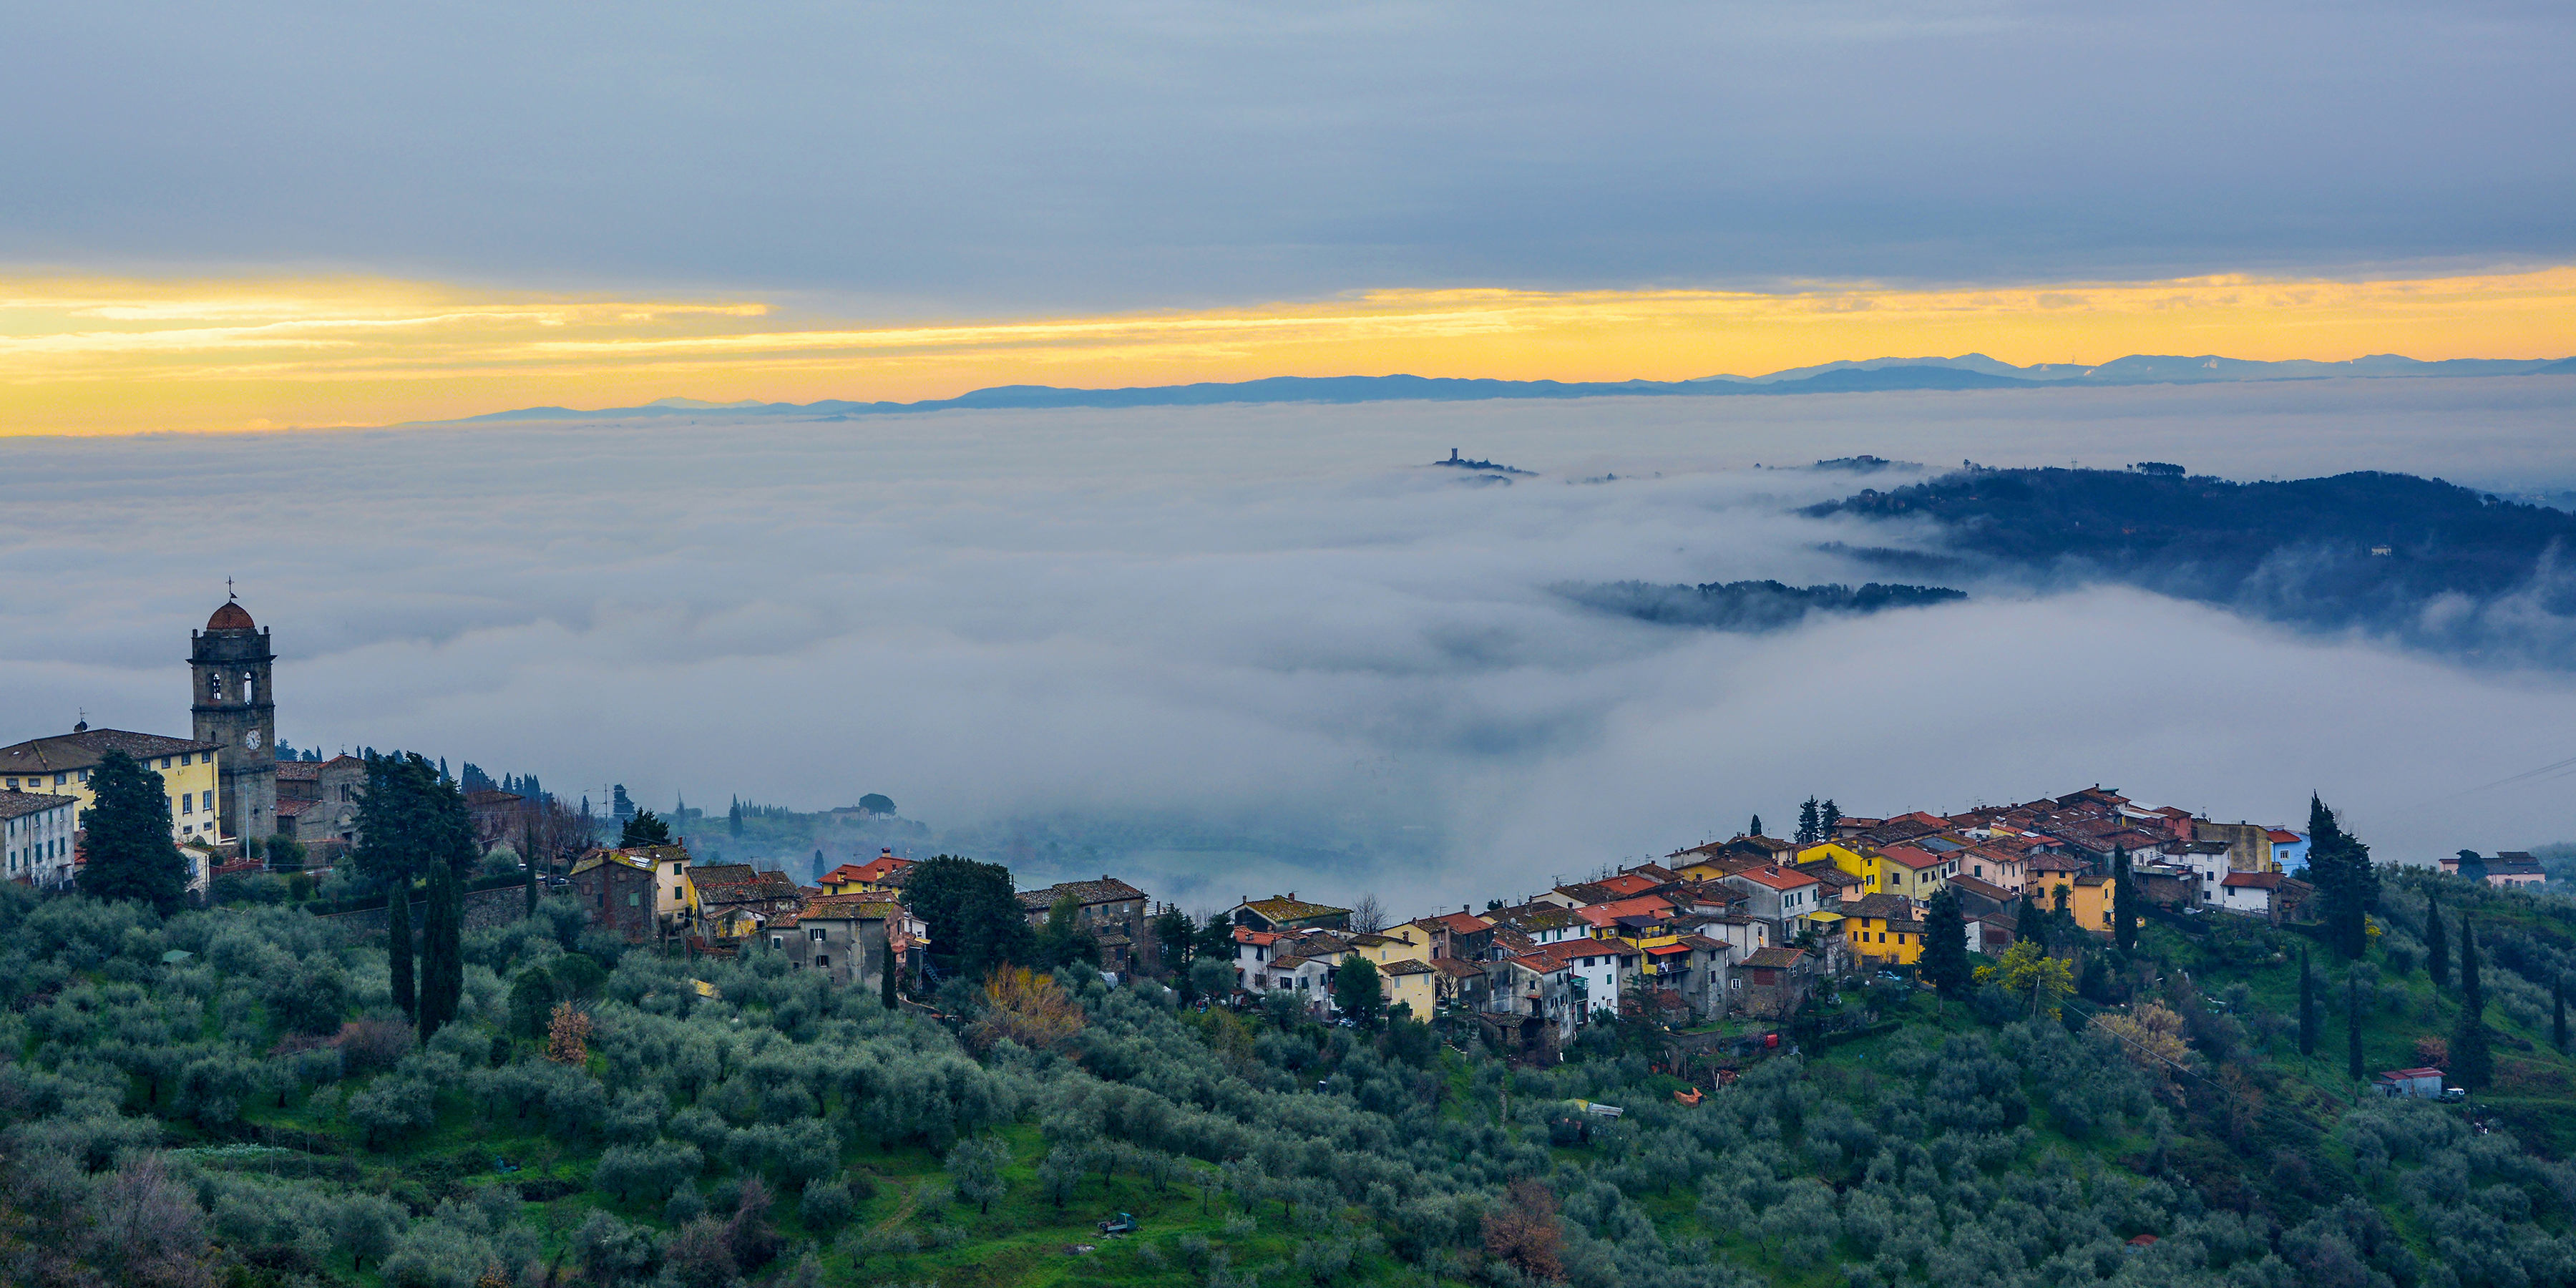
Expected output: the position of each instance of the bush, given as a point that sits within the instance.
(825, 1205)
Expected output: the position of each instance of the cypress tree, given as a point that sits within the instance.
(1827, 815)
(436, 1008)
(1807, 822)
(2437, 944)
(2471, 1061)
(126, 836)
(2347, 886)
(885, 989)
(2307, 1007)
(2352, 1019)
(2124, 901)
(1756, 829)
(398, 945)
(1945, 945)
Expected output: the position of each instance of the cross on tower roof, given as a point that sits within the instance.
(228, 589)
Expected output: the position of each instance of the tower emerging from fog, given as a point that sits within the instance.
(228, 662)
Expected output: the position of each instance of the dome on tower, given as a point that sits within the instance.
(230, 617)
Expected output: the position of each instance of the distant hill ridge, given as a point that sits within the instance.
(1967, 371)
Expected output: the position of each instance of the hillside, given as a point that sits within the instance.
(2365, 549)
(226, 1097)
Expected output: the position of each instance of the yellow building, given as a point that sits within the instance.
(1882, 930)
(61, 765)
(1858, 860)
(1412, 982)
(1402, 944)
(675, 896)
(2088, 900)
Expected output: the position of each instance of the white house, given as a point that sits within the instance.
(2207, 861)
(36, 837)
(2250, 893)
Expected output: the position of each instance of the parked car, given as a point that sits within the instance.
(1122, 1224)
(2453, 1095)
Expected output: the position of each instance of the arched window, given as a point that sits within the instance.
(214, 686)
(250, 687)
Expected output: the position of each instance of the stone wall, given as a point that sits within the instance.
(483, 910)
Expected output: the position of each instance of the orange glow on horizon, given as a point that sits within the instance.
(92, 356)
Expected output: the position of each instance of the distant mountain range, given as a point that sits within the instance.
(1968, 371)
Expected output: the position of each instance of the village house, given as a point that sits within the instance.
(61, 766)
(883, 874)
(1539, 924)
(1411, 983)
(1461, 934)
(1110, 909)
(616, 888)
(1773, 982)
(1778, 896)
(1460, 982)
(2507, 868)
(317, 804)
(1288, 912)
(844, 936)
(1882, 930)
(2289, 849)
(1915, 872)
(2088, 901)
(37, 832)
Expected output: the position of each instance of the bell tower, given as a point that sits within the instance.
(228, 662)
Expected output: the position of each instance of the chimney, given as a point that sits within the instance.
(1453, 453)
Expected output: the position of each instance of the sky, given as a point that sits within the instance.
(256, 259)
(1274, 623)
(462, 208)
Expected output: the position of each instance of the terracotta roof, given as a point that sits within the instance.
(1456, 923)
(1911, 857)
(2259, 880)
(1628, 885)
(1775, 958)
(1405, 966)
(21, 804)
(293, 808)
(1705, 944)
(231, 616)
(65, 752)
(1458, 967)
(2280, 837)
(1086, 893)
(1982, 889)
(1654, 872)
(1777, 878)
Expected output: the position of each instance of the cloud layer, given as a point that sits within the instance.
(1123, 153)
(1262, 622)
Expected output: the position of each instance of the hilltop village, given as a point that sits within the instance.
(271, 1019)
(1749, 927)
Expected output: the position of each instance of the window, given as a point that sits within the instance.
(187, 802)
(214, 686)
(778, 941)
(209, 801)
(634, 900)
(165, 762)
(822, 963)
(250, 687)
(815, 933)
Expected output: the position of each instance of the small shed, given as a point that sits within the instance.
(2423, 1083)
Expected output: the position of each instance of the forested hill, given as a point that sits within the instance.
(231, 1097)
(1747, 606)
(2367, 549)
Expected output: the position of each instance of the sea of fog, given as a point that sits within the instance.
(1233, 650)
